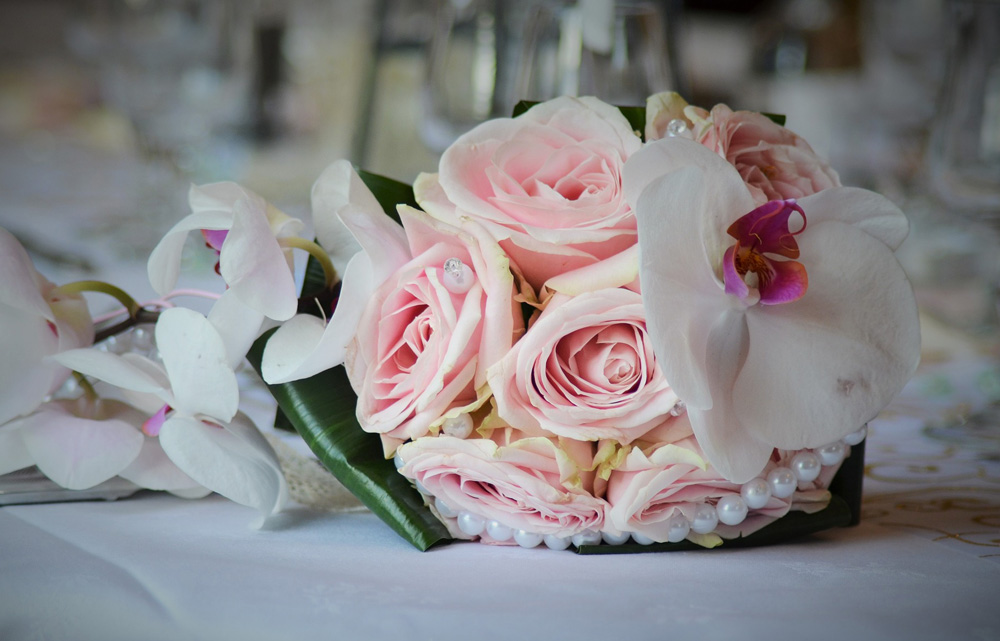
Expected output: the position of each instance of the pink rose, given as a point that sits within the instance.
(530, 483)
(584, 370)
(547, 184)
(38, 321)
(657, 481)
(430, 330)
(775, 163)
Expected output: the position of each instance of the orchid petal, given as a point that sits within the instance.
(338, 188)
(78, 453)
(874, 214)
(25, 378)
(382, 239)
(13, 453)
(233, 460)
(681, 293)
(164, 265)
(304, 345)
(194, 356)
(733, 451)
(20, 283)
(153, 470)
(110, 368)
(821, 367)
(254, 265)
(238, 325)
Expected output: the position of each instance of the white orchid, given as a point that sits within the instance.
(254, 240)
(787, 325)
(37, 320)
(192, 407)
(371, 248)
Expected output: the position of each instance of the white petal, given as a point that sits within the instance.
(235, 460)
(876, 215)
(78, 453)
(25, 378)
(304, 345)
(154, 470)
(238, 324)
(218, 196)
(164, 265)
(13, 454)
(380, 237)
(112, 369)
(194, 356)
(337, 188)
(20, 284)
(254, 266)
(733, 451)
(681, 293)
(823, 366)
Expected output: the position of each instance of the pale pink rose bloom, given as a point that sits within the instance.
(37, 321)
(775, 163)
(660, 480)
(529, 483)
(547, 184)
(421, 350)
(584, 370)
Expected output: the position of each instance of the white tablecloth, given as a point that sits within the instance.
(158, 567)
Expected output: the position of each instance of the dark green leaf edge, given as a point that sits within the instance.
(322, 410)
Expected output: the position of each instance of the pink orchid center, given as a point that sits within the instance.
(760, 267)
(152, 425)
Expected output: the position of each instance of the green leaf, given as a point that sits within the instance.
(790, 526)
(322, 410)
(389, 192)
(778, 119)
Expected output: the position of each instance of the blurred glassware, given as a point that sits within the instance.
(486, 55)
(964, 149)
(963, 163)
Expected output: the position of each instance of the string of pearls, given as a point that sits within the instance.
(781, 482)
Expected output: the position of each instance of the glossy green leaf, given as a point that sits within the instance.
(321, 408)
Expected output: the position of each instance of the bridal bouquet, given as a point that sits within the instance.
(643, 327)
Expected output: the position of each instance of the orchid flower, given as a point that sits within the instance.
(786, 325)
(37, 320)
(352, 224)
(191, 403)
(254, 241)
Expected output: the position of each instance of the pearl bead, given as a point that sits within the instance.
(756, 493)
(642, 539)
(677, 528)
(423, 490)
(705, 519)
(731, 509)
(398, 461)
(459, 426)
(527, 539)
(554, 542)
(856, 437)
(678, 408)
(677, 128)
(499, 531)
(615, 539)
(471, 524)
(783, 482)
(587, 537)
(142, 340)
(806, 466)
(444, 509)
(458, 277)
(831, 453)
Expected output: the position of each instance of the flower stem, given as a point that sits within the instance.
(117, 293)
(88, 389)
(316, 252)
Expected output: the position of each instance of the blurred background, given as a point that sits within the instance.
(110, 109)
